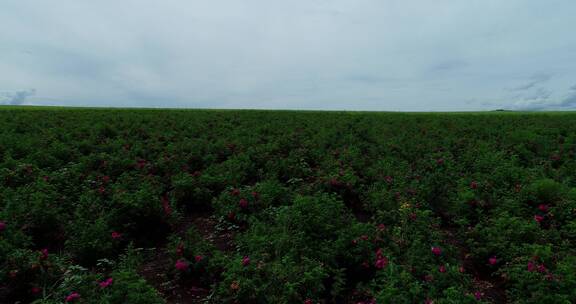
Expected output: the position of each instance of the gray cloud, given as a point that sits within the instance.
(539, 94)
(16, 98)
(569, 101)
(535, 80)
(542, 99)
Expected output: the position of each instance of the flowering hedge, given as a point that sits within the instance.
(156, 206)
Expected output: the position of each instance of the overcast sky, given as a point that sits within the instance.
(388, 55)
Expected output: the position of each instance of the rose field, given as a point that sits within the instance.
(131, 206)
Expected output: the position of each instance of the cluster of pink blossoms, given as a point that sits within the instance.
(381, 260)
(183, 265)
(106, 283)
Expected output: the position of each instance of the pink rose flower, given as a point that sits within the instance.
(437, 251)
(116, 235)
(542, 268)
(166, 205)
(181, 265)
(442, 268)
(245, 261)
(231, 216)
(106, 283)
(44, 254)
(381, 262)
(72, 297)
(492, 260)
(243, 203)
(198, 258)
(531, 267)
(538, 218)
(478, 295)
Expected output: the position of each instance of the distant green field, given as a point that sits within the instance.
(110, 205)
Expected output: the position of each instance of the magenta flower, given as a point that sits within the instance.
(116, 235)
(442, 268)
(140, 163)
(531, 267)
(436, 251)
(166, 205)
(381, 262)
(235, 192)
(245, 261)
(2, 226)
(231, 216)
(308, 301)
(428, 301)
(180, 249)
(440, 161)
(478, 295)
(542, 268)
(334, 182)
(106, 283)
(35, 290)
(381, 227)
(243, 203)
(388, 179)
(538, 218)
(543, 207)
(198, 258)
(72, 297)
(256, 195)
(44, 254)
(473, 185)
(181, 265)
(492, 260)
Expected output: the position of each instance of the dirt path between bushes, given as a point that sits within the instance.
(490, 286)
(155, 268)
